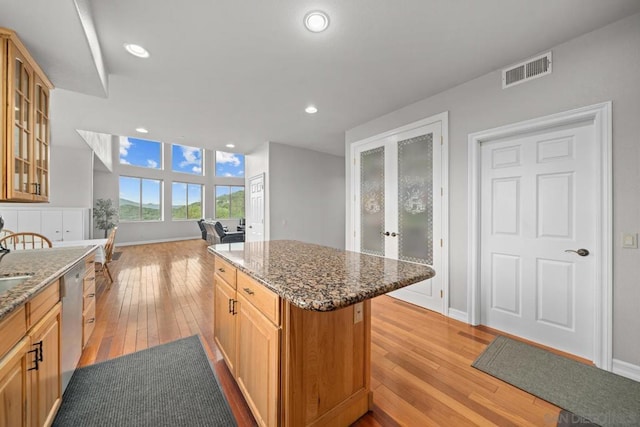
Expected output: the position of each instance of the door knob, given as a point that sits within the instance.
(394, 234)
(581, 252)
(386, 233)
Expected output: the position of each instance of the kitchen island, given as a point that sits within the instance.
(293, 323)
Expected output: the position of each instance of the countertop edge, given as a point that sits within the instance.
(320, 305)
(21, 299)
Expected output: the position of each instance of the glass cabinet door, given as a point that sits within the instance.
(19, 148)
(41, 142)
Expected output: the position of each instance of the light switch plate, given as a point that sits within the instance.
(630, 240)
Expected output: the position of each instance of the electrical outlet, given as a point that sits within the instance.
(630, 240)
(358, 314)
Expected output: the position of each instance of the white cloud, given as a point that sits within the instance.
(241, 173)
(228, 174)
(191, 156)
(196, 169)
(125, 144)
(152, 163)
(124, 161)
(223, 157)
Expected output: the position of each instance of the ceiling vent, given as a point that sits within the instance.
(527, 70)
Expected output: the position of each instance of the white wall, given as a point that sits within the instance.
(101, 144)
(306, 195)
(600, 66)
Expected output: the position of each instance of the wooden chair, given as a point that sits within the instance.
(25, 240)
(6, 232)
(108, 253)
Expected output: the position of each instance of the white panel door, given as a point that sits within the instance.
(255, 216)
(29, 220)
(52, 225)
(399, 208)
(72, 224)
(537, 202)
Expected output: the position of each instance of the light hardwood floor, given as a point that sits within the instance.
(421, 361)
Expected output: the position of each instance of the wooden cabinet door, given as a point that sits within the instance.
(14, 387)
(257, 369)
(46, 381)
(224, 321)
(20, 127)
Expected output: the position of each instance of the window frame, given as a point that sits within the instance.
(160, 194)
(215, 165)
(187, 201)
(215, 200)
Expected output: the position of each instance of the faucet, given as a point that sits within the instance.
(3, 249)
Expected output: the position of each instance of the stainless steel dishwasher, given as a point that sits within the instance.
(72, 292)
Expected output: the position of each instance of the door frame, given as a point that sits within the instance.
(600, 116)
(247, 202)
(443, 118)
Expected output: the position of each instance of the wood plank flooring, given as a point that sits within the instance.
(421, 361)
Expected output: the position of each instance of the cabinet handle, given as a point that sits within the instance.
(91, 295)
(93, 319)
(233, 307)
(249, 291)
(230, 302)
(221, 270)
(35, 360)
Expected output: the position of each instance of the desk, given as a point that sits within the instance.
(91, 242)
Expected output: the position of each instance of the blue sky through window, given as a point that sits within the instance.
(140, 152)
(186, 159)
(229, 164)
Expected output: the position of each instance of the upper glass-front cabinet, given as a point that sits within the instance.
(25, 169)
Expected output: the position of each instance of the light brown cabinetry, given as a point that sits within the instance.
(294, 367)
(24, 123)
(30, 370)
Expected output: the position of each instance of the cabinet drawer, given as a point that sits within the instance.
(89, 284)
(89, 262)
(89, 296)
(12, 329)
(42, 303)
(88, 323)
(226, 271)
(262, 298)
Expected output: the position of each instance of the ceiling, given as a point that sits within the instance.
(242, 72)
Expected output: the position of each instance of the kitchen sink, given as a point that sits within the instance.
(11, 280)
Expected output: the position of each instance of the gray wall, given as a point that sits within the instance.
(306, 195)
(603, 65)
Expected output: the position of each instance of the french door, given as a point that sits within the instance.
(398, 205)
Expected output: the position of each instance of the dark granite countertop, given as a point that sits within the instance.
(320, 278)
(46, 265)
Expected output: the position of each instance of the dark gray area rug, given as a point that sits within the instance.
(593, 394)
(168, 385)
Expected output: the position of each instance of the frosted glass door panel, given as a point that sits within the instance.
(415, 199)
(372, 201)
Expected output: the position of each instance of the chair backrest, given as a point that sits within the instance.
(219, 229)
(25, 240)
(108, 247)
(5, 232)
(201, 225)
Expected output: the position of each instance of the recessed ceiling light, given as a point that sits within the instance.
(311, 109)
(142, 130)
(316, 21)
(136, 50)
(230, 145)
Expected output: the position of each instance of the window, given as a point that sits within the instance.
(186, 159)
(229, 201)
(186, 201)
(140, 199)
(140, 152)
(229, 164)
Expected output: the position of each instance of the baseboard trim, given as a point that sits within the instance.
(148, 242)
(458, 315)
(626, 369)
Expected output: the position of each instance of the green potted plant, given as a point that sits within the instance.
(105, 215)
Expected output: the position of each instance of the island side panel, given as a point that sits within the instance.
(326, 366)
